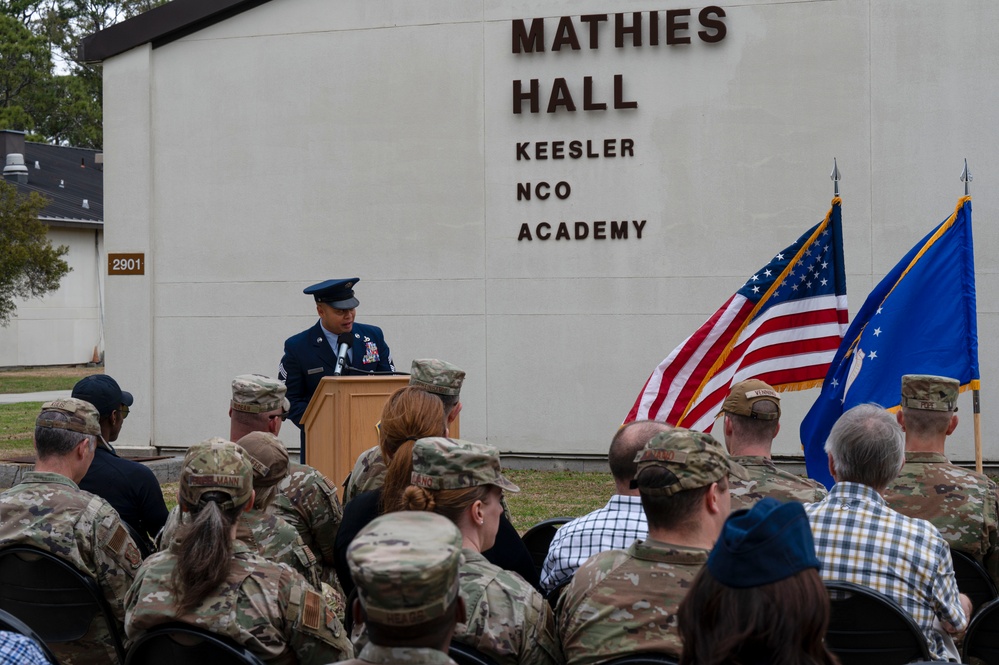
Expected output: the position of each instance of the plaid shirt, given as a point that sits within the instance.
(859, 539)
(16, 649)
(614, 527)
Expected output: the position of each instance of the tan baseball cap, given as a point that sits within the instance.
(745, 394)
(267, 456)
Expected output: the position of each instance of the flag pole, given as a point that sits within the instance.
(976, 400)
(834, 176)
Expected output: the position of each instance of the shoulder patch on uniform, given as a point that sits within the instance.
(121, 544)
(325, 484)
(117, 539)
(312, 610)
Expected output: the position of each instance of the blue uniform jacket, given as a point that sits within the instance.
(308, 357)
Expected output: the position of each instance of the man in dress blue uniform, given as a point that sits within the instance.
(311, 354)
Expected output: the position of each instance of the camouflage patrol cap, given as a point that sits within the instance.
(693, 460)
(80, 416)
(930, 393)
(255, 393)
(216, 465)
(440, 463)
(267, 456)
(405, 566)
(745, 394)
(436, 376)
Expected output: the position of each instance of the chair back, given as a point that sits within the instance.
(539, 537)
(868, 628)
(982, 639)
(466, 655)
(52, 597)
(12, 624)
(178, 643)
(972, 579)
(645, 658)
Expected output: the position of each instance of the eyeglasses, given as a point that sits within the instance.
(123, 410)
(283, 416)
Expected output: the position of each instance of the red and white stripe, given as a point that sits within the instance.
(789, 343)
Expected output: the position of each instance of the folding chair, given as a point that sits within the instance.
(982, 638)
(466, 655)
(52, 597)
(868, 628)
(539, 537)
(972, 579)
(178, 643)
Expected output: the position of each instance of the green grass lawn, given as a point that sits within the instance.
(546, 494)
(543, 494)
(43, 378)
(17, 425)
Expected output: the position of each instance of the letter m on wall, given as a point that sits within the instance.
(529, 41)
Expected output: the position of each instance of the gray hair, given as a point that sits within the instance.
(867, 446)
(51, 441)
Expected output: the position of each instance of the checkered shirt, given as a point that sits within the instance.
(16, 649)
(859, 539)
(614, 527)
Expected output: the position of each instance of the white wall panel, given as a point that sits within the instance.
(305, 139)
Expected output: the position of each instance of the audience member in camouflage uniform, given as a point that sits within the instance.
(47, 510)
(305, 499)
(406, 568)
(960, 503)
(265, 534)
(435, 376)
(623, 601)
(208, 579)
(507, 619)
(258, 405)
(752, 420)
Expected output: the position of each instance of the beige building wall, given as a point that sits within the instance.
(304, 140)
(64, 327)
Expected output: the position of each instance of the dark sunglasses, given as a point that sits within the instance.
(123, 411)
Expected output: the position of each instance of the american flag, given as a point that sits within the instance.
(783, 327)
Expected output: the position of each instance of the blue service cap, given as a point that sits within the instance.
(103, 392)
(338, 293)
(767, 543)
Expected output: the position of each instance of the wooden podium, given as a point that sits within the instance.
(340, 421)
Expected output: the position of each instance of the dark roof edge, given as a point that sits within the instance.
(160, 25)
(65, 222)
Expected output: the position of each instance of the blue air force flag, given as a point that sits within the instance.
(921, 319)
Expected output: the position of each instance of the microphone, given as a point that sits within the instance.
(342, 344)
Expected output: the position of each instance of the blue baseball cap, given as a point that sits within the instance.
(338, 293)
(767, 543)
(103, 392)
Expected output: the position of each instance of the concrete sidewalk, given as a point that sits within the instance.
(48, 396)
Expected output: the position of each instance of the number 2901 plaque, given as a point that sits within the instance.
(126, 264)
